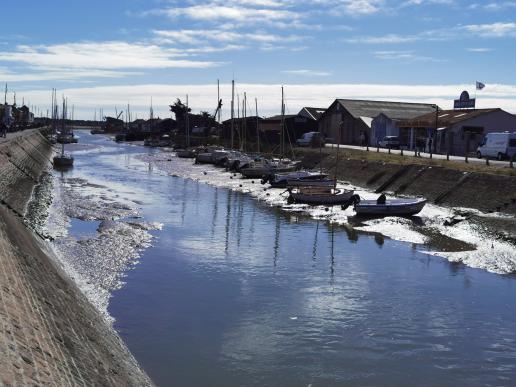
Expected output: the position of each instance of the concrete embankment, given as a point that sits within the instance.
(49, 333)
(490, 193)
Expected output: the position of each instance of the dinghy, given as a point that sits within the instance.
(386, 207)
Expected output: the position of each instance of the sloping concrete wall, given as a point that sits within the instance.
(49, 333)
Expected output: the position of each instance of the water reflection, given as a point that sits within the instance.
(204, 306)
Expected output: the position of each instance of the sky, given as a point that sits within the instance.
(107, 54)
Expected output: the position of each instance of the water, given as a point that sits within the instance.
(234, 291)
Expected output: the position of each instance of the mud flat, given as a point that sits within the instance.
(50, 332)
(487, 199)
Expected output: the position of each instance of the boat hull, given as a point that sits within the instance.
(396, 207)
(321, 197)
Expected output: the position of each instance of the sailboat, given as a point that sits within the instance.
(63, 160)
(320, 194)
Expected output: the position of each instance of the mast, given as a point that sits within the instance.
(218, 100)
(238, 121)
(187, 122)
(244, 123)
(232, 111)
(257, 129)
(282, 133)
(5, 95)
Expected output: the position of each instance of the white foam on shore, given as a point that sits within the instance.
(495, 256)
(96, 262)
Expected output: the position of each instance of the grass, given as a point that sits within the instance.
(373, 156)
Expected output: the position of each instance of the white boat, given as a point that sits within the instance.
(281, 180)
(319, 195)
(265, 167)
(386, 207)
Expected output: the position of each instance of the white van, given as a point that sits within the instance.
(499, 145)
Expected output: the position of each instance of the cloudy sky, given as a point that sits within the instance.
(105, 54)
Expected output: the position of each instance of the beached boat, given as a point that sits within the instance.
(322, 182)
(265, 167)
(386, 207)
(317, 196)
(280, 180)
(186, 153)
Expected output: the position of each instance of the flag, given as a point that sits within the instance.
(480, 85)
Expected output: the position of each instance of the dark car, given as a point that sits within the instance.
(392, 142)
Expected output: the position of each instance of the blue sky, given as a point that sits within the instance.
(108, 53)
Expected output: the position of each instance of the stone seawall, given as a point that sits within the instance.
(49, 333)
(446, 186)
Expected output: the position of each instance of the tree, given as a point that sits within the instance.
(180, 110)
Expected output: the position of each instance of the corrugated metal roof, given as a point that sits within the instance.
(316, 113)
(445, 119)
(394, 110)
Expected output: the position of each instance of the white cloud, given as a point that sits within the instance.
(202, 97)
(385, 39)
(195, 37)
(215, 12)
(493, 30)
(62, 75)
(404, 56)
(479, 49)
(113, 55)
(306, 72)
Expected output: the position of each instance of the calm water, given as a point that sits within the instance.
(236, 293)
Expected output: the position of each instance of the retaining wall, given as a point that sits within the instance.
(49, 333)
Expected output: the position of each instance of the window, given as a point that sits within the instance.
(512, 143)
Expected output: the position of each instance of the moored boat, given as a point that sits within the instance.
(185, 153)
(317, 196)
(281, 180)
(386, 207)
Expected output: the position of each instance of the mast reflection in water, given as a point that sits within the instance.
(234, 292)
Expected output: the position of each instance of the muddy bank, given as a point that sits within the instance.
(50, 333)
(493, 195)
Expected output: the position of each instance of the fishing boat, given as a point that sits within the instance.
(386, 207)
(318, 196)
(63, 160)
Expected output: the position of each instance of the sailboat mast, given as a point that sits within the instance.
(232, 111)
(218, 100)
(282, 133)
(257, 129)
(187, 122)
(244, 124)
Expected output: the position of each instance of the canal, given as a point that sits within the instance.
(224, 290)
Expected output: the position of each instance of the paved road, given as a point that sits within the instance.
(409, 153)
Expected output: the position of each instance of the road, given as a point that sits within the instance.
(409, 153)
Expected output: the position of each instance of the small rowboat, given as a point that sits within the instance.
(386, 207)
(317, 196)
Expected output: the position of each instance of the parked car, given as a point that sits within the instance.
(392, 142)
(499, 145)
(310, 139)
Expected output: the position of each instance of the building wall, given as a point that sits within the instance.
(382, 126)
(456, 140)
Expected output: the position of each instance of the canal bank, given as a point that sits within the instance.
(488, 199)
(50, 333)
